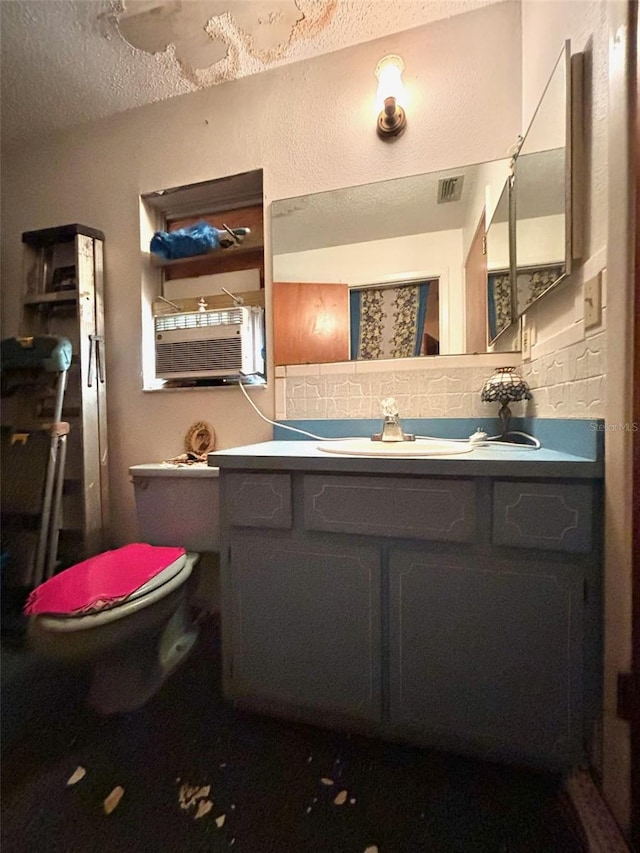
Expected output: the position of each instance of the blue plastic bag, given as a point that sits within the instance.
(196, 239)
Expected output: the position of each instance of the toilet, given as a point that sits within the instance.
(134, 640)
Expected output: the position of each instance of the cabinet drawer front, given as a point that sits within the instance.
(258, 500)
(549, 517)
(390, 506)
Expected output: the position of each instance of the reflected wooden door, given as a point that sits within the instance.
(475, 299)
(310, 322)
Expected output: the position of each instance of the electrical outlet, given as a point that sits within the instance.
(592, 293)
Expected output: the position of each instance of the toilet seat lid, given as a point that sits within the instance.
(106, 580)
(163, 576)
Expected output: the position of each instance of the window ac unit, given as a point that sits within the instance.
(227, 342)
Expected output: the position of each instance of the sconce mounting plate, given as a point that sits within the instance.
(391, 121)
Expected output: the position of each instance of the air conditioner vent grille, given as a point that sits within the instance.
(179, 357)
(450, 189)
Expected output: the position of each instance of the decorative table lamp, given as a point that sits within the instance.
(505, 386)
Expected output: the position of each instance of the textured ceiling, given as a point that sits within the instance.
(65, 62)
(370, 212)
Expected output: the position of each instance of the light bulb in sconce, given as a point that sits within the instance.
(392, 118)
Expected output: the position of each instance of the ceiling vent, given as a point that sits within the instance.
(450, 189)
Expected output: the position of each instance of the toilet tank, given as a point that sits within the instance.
(177, 505)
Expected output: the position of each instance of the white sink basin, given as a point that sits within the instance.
(366, 447)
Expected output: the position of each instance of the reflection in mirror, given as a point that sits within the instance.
(400, 244)
(394, 320)
(543, 192)
(500, 313)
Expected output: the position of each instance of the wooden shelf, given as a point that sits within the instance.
(217, 254)
(51, 298)
(218, 300)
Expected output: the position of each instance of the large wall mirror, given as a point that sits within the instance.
(545, 226)
(387, 261)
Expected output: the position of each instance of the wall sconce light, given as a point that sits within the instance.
(392, 119)
(504, 387)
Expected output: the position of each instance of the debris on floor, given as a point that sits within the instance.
(78, 774)
(113, 799)
(204, 807)
(220, 821)
(326, 781)
(195, 797)
(189, 795)
(341, 798)
(373, 849)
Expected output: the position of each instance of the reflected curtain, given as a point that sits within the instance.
(498, 303)
(388, 322)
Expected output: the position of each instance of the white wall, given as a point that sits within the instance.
(490, 181)
(540, 240)
(498, 255)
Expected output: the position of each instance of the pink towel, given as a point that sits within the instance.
(102, 580)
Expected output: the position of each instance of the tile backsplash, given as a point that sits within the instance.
(443, 386)
(568, 383)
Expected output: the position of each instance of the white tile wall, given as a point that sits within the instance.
(447, 386)
(567, 383)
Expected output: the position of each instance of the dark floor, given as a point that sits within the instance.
(263, 775)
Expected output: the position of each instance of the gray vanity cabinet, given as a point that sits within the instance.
(306, 623)
(485, 654)
(457, 612)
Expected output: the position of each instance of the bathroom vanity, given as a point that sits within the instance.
(453, 602)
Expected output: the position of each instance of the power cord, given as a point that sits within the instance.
(280, 425)
(481, 439)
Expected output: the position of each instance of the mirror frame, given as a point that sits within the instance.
(573, 80)
(510, 269)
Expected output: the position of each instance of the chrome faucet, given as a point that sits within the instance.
(391, 427)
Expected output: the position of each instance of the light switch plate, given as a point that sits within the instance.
(592, 292)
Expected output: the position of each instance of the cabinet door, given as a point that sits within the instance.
(306, 623)
(487, 656)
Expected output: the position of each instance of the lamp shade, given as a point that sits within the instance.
(505, 386)
(389, 73)
(392, 118)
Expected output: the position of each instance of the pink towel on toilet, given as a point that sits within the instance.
(102, 580)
